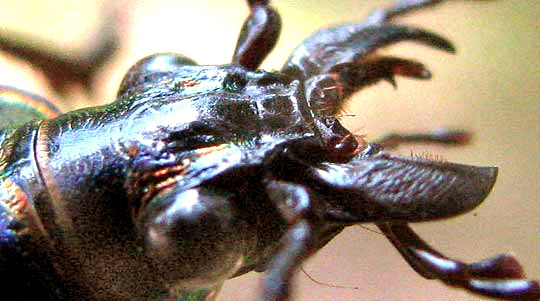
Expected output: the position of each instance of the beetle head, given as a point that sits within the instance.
(195, 128)
(200, 106)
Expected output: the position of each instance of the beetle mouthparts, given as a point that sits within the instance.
(390, 187)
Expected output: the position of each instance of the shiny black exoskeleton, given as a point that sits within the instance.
(197, 174)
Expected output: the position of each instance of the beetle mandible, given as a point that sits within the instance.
(196, 174)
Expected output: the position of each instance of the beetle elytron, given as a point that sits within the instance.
(197, 174)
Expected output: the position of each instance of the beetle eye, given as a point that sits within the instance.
(234, 82)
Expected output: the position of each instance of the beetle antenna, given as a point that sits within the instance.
(326, 284)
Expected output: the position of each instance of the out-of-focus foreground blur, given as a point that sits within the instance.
(491, 86)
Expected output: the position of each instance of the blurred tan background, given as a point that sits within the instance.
(490, 87)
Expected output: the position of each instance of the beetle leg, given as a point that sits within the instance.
(305, 235)
(292, 201)
(258, 36)
(440, 136)
(499, 277)
(284, 264)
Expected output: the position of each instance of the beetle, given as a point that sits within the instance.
(200, 173)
